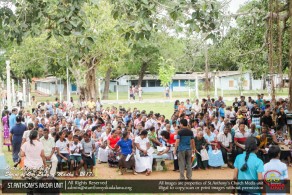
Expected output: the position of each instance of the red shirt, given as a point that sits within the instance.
(171, 138)
(113, 141)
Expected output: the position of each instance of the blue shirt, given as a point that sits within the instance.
(77, 122)
(254, 166)
(222, 112)
(17, 132)
(209, 138)
(12, 120)
(126, 146)
(185, 136)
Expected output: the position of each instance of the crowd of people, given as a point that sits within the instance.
(199, 135)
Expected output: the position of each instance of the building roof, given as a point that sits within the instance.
(185, 76)
(47, 80)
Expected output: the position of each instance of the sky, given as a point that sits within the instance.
(235, 4)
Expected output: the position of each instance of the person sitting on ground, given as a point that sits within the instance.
(143, 161)
(113, 153)
(75, 155)
(127, 159)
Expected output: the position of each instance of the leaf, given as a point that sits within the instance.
(173, 15)
(61, 20)
(90, 39)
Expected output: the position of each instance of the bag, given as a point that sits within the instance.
(204, 155)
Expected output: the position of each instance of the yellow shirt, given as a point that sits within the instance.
(263, 143)
(90, 104)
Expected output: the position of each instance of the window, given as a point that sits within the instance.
(245, 83)
(158, 83)
(151, 83)
(134, 82)
(154, 83)
(143, 84)
(175, 83)
(231, 83)
(183, 83)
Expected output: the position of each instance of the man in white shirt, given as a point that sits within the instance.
(196, 107)
(225, 140)
(151, 122)
(98, 105)
(275, 169)
(49, 149)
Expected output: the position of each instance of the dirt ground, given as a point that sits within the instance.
(102, 171)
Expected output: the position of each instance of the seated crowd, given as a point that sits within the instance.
(82, 135)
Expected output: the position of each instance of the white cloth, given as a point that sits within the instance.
(142, 163)
(225, 140)
(48, 144)
(103, 152)
(32, 153)
(75, 148)
(63, 148)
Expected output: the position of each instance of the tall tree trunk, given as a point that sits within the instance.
(290, 59)
(142, 73)
(90, 89)
(82, 92)
(271, 48)
(207, 70)
(280, 49)
(65, 90)
(107, 83)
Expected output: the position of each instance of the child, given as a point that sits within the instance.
(75, 155)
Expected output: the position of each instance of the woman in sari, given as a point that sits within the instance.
(5, 122)
(113, 152)
(143, 161)
(214, 152)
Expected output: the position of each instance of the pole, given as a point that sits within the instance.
(197, 87)
(68, 90)
(60, 89)
(128, 88)
(8, 85)
(216, 88)
(189, 89)
(13, 92)
(221, 86)
(117, 88)
(24, 92)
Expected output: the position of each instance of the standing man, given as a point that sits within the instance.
(98, 105)
(12, 118)
(16, 134)
(185, 145)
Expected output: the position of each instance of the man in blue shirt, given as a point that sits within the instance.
(12, 118)
(185, 145)
(16, 133)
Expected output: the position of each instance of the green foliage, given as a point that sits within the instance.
(166, 71)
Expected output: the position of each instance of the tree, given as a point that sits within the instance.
(166, 71)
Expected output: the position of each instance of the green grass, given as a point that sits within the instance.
(179, 95)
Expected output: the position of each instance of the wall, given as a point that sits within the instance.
(50, 88)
